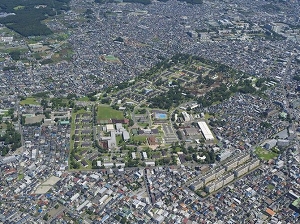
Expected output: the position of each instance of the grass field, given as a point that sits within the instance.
(83, 99)
(29, 100)
(265, 154)
(111, 58)
(143, 125)
(20, 176)
(106, 112)
(19, 7)
(139, 138)
(3, 126)
(119, 139)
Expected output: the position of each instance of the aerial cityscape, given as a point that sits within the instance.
(150, 111)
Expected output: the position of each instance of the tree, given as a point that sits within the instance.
(296, 77)
(46, 217)
(131, 122)
(179, 134)
(123, 220)
(188, 158)
(167, 160)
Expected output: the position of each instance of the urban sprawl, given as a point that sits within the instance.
(151, 112)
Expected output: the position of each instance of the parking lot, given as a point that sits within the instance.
(169, 133)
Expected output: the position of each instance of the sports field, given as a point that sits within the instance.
(110, 58)
(29, 101)
(265, 154)
(106, 112)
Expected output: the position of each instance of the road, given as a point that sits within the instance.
(147, 186)
(289, 110)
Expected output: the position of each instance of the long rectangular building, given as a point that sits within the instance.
(208, 135)
(242, 158)
(241, 170)
(197, 185)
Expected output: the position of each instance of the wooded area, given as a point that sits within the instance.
(29, 15)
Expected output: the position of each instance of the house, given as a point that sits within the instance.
(108, 165)
(78, 159)
(84, 163)
(152, 140)
(270, 212)
(144, 155)
(150, 163)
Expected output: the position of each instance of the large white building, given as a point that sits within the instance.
(186, 116)
(208, 135)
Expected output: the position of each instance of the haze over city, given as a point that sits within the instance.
(149, 111)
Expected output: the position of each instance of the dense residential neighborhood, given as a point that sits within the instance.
(150, 112)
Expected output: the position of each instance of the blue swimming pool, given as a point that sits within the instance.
(161, 116)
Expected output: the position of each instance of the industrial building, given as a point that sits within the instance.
(208, 135)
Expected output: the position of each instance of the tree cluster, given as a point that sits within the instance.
(296, 77)
(171, 99)
(11, 139)
(27, 19)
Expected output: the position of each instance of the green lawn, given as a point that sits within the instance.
(111, 58)
(19, 7)
(143, 125)
(178, 149)
(265, 154)
(118, 139)
(106, 112)
(141, 138)
(20, 176)
(83, 99)
(207, 116)
(29, 100)
(3, 126)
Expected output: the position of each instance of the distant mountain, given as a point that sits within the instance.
(147, 2)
